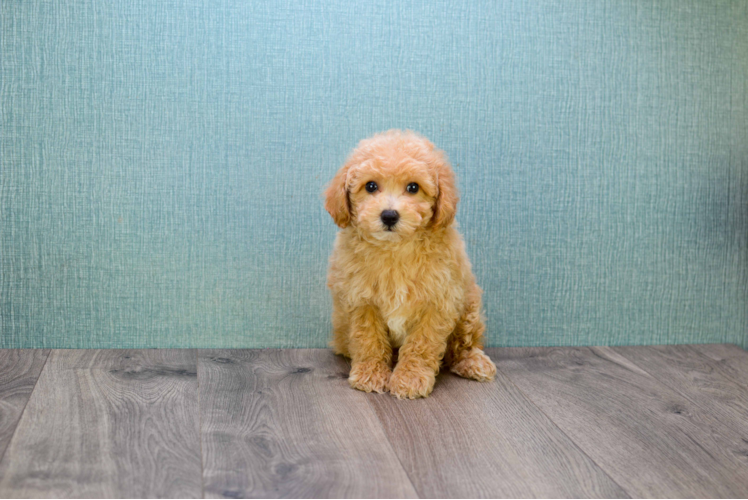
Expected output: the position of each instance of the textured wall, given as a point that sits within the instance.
(162, 163)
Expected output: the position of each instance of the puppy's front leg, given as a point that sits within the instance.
(420, 356)
(371, 353)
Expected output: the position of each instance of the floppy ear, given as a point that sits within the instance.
(336, 198)
(447, 197)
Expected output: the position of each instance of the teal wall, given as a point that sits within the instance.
(162, 163)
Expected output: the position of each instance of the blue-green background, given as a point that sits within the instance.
(162, 163)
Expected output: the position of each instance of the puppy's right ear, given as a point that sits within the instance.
(337, 203)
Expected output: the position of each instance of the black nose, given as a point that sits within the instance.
(390, 217)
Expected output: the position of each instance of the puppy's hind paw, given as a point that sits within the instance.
(474, 364)
(370, 377)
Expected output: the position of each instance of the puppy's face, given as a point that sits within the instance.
(393, 185)
(391, 198)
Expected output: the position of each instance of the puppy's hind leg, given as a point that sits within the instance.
(465, 355)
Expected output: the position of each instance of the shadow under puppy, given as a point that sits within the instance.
(399, 274)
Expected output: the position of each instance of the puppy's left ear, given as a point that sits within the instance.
(447, 198)
(337, 203)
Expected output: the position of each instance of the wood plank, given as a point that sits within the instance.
(285, 423)
(108, 423)
(19, 371)
(486, 440)
(651, 440)
(731, 360)
(695, 377)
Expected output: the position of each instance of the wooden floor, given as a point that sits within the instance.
(665, 421)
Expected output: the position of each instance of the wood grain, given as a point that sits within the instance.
(285, 423)
(656, 421)
(19, 371)
(108, 423)
(486, 440)
(695, 377)
(651, 440)
(730, 360)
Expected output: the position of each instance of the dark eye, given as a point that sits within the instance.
(371, 186)
(412, 188)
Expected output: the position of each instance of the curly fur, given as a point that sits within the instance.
(410, 288)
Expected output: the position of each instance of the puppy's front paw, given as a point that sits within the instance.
(474, 364)
(370, 376)
(412, 383)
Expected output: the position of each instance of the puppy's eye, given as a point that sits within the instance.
(371, 186)
(412, 188)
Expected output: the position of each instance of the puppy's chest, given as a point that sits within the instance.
(397, 287)
(401, 296)
(398, 326)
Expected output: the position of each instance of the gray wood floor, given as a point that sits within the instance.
(657, 421)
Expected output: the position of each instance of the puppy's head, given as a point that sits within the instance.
(393, 185)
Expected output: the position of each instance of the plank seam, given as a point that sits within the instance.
(389, 443)
(200, 425)
(739, 383)
(553, 422)
(680, 393)
(23, 412)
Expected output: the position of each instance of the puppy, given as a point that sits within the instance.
(399, 274)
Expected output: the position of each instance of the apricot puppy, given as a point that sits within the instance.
(399, 274)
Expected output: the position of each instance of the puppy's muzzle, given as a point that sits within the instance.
(389, 218)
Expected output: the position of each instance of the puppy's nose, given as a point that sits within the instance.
(390, 217)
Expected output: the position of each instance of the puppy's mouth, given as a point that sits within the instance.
(387, 234)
